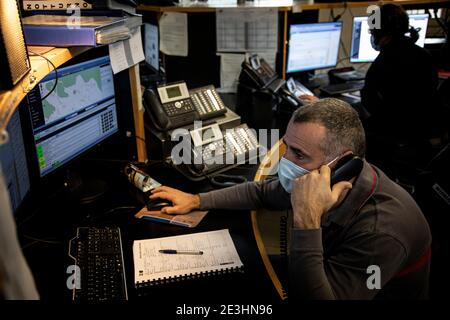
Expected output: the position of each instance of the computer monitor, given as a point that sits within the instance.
(361, 49)
(73, 117)
(14, 163)
(151, 42)
(313, 46)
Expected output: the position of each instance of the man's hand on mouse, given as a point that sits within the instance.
(182, 202)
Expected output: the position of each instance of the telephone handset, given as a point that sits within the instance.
(172, 107)
(259, 71)
(297, 88)
(347, 168)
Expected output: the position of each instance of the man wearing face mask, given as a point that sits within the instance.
(340, 231)
(400, 89)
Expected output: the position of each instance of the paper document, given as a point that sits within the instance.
(230, 68)
(127, 53)
(217, 249)
(248, 30)
(173, 31)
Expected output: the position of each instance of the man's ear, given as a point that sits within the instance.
(346, 153)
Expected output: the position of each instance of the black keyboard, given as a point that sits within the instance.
(99, 256)
(338, 88)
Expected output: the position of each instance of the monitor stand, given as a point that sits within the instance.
(85, 190)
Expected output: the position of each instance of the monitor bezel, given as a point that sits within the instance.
(352, 33)
(60, 171)
(351, 42)
(66, 70)
(16, 211)
(313, 68)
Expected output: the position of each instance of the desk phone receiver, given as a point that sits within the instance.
(292, 92)
(259, 70)
(347, 168)
(297, 88)
(172, 107)
(212, 147)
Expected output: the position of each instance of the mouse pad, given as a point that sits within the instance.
(189, 220)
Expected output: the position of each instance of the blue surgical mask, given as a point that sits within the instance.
(373, 42)
(288, 171)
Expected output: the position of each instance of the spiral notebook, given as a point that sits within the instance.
(152, 267)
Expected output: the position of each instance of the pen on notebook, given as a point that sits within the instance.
(173, 251)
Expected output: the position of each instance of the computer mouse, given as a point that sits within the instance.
(157, 204)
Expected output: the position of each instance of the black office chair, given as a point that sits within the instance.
(443, 96)
(432, 194)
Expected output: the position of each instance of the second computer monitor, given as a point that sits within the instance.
(79, 113)
(313, 46)
(13, 162)
(361, 49)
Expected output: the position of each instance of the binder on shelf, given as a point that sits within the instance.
(213, 253)
(35, 5)
(66, 31)
(29, 5)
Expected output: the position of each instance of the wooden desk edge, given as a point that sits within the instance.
(265, 164)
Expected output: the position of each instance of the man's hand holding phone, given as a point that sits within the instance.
(312, 196)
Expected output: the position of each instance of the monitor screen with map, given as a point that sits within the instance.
(79, 113)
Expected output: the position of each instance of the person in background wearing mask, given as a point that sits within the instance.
(339, 231)
(400, 91)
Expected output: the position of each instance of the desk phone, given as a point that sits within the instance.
(174, 105)
(212, 146)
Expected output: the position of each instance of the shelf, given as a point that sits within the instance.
(283, 5)
(311, 5)
(9, 100)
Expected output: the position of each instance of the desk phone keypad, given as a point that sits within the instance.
(207, 102)
(178, 107)
(239, 141)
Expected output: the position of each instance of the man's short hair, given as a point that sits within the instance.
(344, 128)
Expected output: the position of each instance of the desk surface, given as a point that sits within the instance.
(45, 239)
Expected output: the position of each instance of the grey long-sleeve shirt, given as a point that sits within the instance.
(378, 224)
